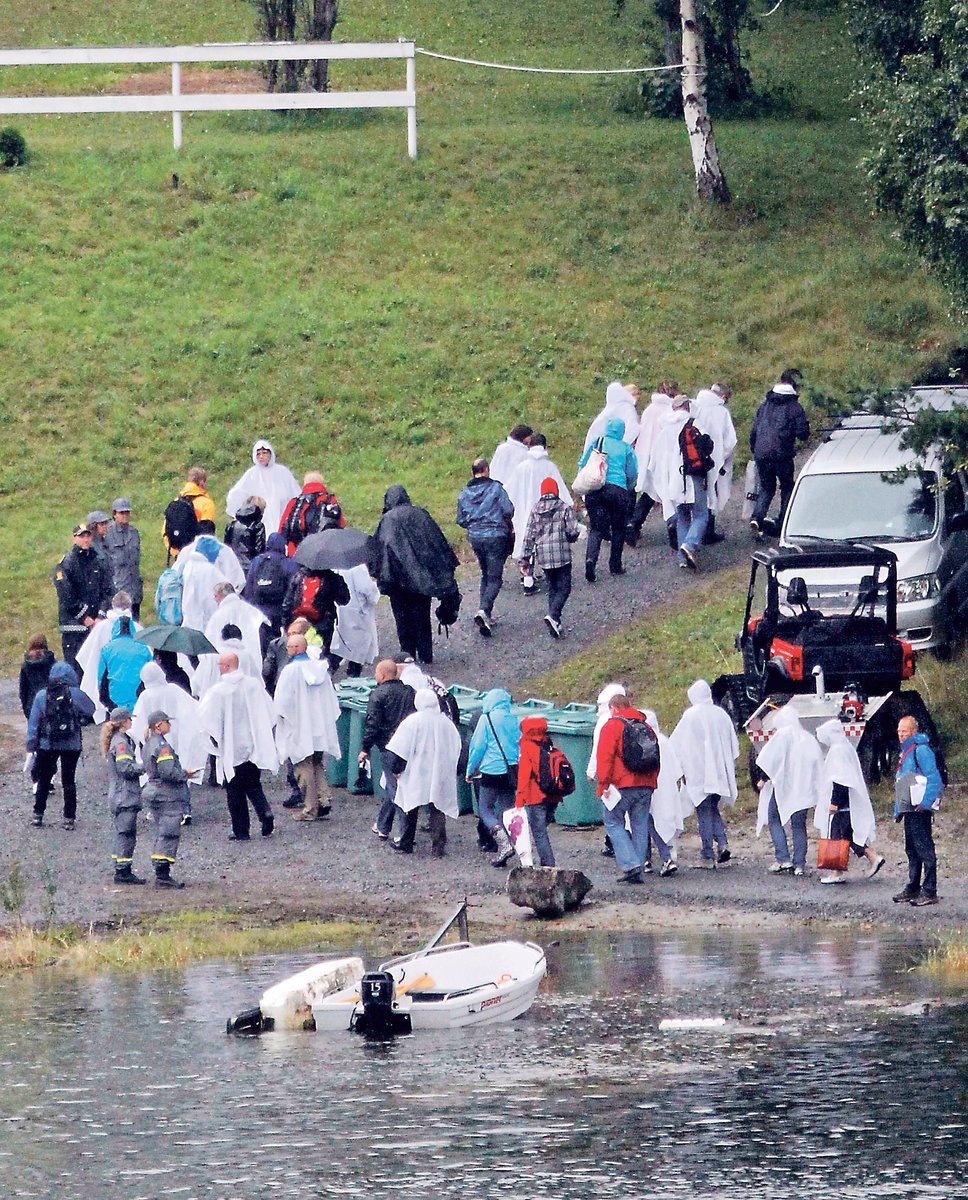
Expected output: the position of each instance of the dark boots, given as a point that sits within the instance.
(124, 874)
(163, 877)
(711, 537)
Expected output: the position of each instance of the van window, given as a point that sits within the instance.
(863, 506)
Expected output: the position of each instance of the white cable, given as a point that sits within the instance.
(473, 62)
(772, 10)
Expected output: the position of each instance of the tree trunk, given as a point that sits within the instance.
(321, 25)
(710, 181)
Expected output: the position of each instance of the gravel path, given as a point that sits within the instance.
(337, 867)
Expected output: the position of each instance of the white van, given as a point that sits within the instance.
(845, 494)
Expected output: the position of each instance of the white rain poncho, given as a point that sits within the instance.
(89, 656)
(510, 454)
(187, 737)
(275, 483)
(667, 801)
(705, 743)
(237, 715)
(524, 488)
(233, 610)
(841, 765)
(671, 485)
(430, 744)
(793, 762)
(202, 564)
(306, 710)
(619, 406)
(207, 674)
(604, 712)
(713, 417)
(355, 636)
(645, 442)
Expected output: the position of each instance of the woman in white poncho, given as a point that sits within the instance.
(844, 810)
(666, 816)
(659, 405)
(713, 417)
(619, 405)
(706, 744)
(355, 636)
(266, 478)
(792, 762)
(423, 754)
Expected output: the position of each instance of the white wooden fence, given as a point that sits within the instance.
(178, 102)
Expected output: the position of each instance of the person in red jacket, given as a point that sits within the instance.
(306, 513)
(529, 796)
(624, 792)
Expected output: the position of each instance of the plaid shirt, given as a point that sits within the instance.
(552, 526)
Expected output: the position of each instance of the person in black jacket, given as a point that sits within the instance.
(245, 535)
(779, 424)
(34, 670)
(315, 595)
(390, 701)
(83, 582)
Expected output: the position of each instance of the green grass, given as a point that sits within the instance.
(386, 321)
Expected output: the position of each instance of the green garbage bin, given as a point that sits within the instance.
(469, 702)
(571, 729)
(357, 697)
(352, 695)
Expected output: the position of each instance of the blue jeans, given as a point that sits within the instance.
(692, 519)
(712, 828)
(492, 803)
(630, 848)
(384, 820)
(665, 850)
(798, 827)
(491, 553)
(538, 822)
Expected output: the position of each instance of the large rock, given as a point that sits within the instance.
(549, 891)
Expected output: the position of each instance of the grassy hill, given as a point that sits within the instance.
(386, 321)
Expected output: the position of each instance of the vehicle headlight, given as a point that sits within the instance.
(921, 587)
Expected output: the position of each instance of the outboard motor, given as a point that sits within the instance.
(249, 1022)
(376, 1015)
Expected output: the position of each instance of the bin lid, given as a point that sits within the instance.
(459, 691)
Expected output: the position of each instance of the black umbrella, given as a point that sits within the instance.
(177, 639)
(333, 549)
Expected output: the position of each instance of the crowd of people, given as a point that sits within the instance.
(265, 700)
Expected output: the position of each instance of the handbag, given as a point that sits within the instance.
(591, 477)
(833, 854)
(515, 821)
(510, 772)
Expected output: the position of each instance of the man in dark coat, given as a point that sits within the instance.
(779, 424)
(83, 582)
(485, 510)
(412, 562)
(268, 580)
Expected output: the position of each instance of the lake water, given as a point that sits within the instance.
(127, 1087)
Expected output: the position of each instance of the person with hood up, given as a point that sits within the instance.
(412, 562)
(266, 478)
(918, 785)
(485, 510)
(666, 814)
(355, 636)
(229, 641)
(792, 762)
(493, 758)
(620, 406)
(713, 417)
(591, 769)
(512, 451)
(706, 744)
(245, 534)
(268, 580)
(524, 490)
(552, 528)
(306, 712)
(237, 715)
(89, 656)
(202, 564)
(54, 736)
(624, 792)
(186, 736)
(233, 610)
(683, 496)
(119, 667)
(609, 507)
(779, 424)
(167, 795)
(124, 791)
(529, 796)
(34, 670)
(423, 754)
(844, 812)
(659, 404)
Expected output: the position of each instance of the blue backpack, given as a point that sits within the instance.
(168, 597)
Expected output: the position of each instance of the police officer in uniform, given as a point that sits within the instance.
(167, 795)
(124, 790)
(83, 582)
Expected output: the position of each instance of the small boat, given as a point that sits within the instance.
(439, 987)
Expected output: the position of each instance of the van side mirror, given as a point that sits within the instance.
(959, 523)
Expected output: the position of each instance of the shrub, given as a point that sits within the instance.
(13, 148)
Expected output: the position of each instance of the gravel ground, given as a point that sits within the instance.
(337, 867)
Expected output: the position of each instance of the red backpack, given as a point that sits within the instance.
(307, 600)
(697, 450)
(556, 775)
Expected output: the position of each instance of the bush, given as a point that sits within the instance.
(13, 148)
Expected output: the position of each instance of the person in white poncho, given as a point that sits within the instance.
(423, 754)
(792, 762)
(355, 636)
(713, 417)
(186, 736)
(844, 811)
(202, 564)
(306, 712)
(619, 405)
(233, 610)
(524, 488)
(659, 404)
(666, 815)
(706, 744)
(237, 715)
(512, 451)
(267, 478)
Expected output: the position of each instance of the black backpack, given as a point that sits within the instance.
(697, 450)
(307, 516)
(639, 748)
(63, 724)
(271, 582)
(556, 775)
(181, 523)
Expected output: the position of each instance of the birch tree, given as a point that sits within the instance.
(710, 181)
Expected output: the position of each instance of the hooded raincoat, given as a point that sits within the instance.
(659, 405)
(793, 762)
(667, 804)
(409, 549)
(705, 742)
(524, 490)
(619, 405)
(713, 417)
(237, 715)
(202, 564)
(841, 765)
(506, 457)
(494, 743)
(355, 636)
(186, 736)
(672, 485)
(306, 710)
(233, 610)
(429, 744)
(89, 657)
(275, 483)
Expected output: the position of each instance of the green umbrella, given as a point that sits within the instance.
(177, 639)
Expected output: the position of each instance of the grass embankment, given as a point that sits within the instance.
(167, 940)
(386, 321)
(948, 961)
